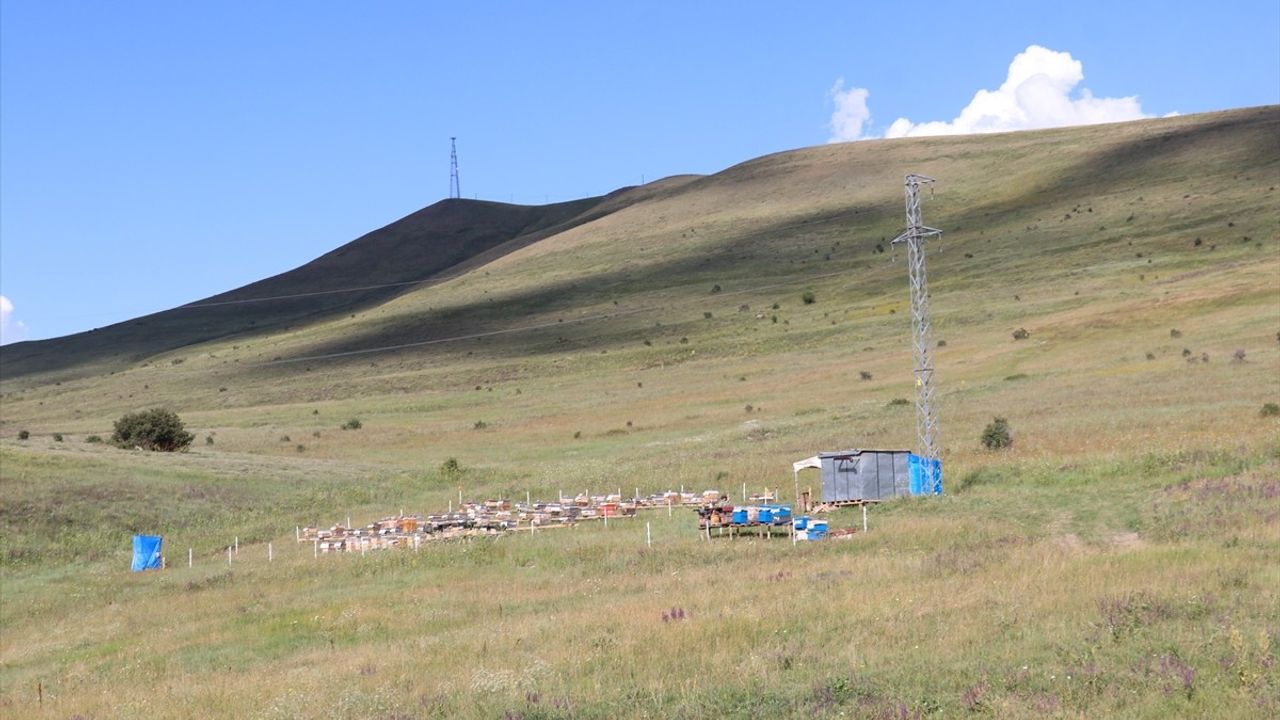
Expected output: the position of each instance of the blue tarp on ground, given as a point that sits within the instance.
(926, 475)
(146, 552)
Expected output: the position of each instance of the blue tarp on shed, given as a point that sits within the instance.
(925, 473)
(146, 552)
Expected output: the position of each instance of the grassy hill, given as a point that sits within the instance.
(1117, 561)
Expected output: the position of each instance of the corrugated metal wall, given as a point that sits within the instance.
(865, 475)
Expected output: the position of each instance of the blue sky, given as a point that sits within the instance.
(153, 153)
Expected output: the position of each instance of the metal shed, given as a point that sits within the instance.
(860, 475)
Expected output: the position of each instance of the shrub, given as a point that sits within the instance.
(1238, 355)
(748, 408)
(208, 439)
(808, 298)
(155, 429)
(450, 467)
(863, 374)
(897, 401)
(706, 316)
(23, 434)
(480, 425)
(352, 424)
(996, 436)
(301, 447)
(715, 288)
(1021, 334)
(1175, 333)
(1270, 410)
(57, 437)
(577, 435)
(284, 438)
(93, 439)
(942, 343)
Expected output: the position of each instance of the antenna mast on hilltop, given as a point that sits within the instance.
(922, 331)
(455, 186)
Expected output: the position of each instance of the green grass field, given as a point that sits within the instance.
(1118, 561)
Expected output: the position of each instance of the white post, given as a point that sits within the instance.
(744, 492)
(459, 497)
(668, 507)
(361, 547)
(606, 517)
(316, 548)
(637, 497)
(271, 553)
(237, 545)
(864, 517)
(450, 507)
(648, 535)
(228, 556)
(416, 538)
(348, 522)
(527, 498)
(297, 533)
(163, 562)
(189, 558)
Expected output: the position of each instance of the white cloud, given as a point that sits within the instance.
(851, 112)
(1040, 91)
(11, 329)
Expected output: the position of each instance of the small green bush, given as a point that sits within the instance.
(93, 439)
(450, 467)
(57, 437)
(155, 429)
(997, 436)
(23, 434)
(1270, 410)
(897, 402)
(352, 424)
(864, 375)
(808, 298)
(1021, 334)
(480, 425)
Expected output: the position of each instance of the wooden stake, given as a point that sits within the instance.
(228, 556)
(648, 536)
(315, 549)
(237, 545)
(864, 517)
(271, 553)
(190, 559)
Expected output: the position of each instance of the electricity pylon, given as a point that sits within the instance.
(921, 330)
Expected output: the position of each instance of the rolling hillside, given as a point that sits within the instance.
(1118, 560)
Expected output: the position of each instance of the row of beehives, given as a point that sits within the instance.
(487, 518)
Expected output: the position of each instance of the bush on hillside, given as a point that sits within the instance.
(450, 467)
(1270, 410)
(155, 429)
(355, 424)
(997, 436)
(57, 437)
(808, 298)
(94, 439)
(1021, 334)
(23, 434)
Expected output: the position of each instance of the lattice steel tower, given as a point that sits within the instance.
(455, 186)
(921, 328)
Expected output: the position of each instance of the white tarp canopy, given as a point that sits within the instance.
(812, 462)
